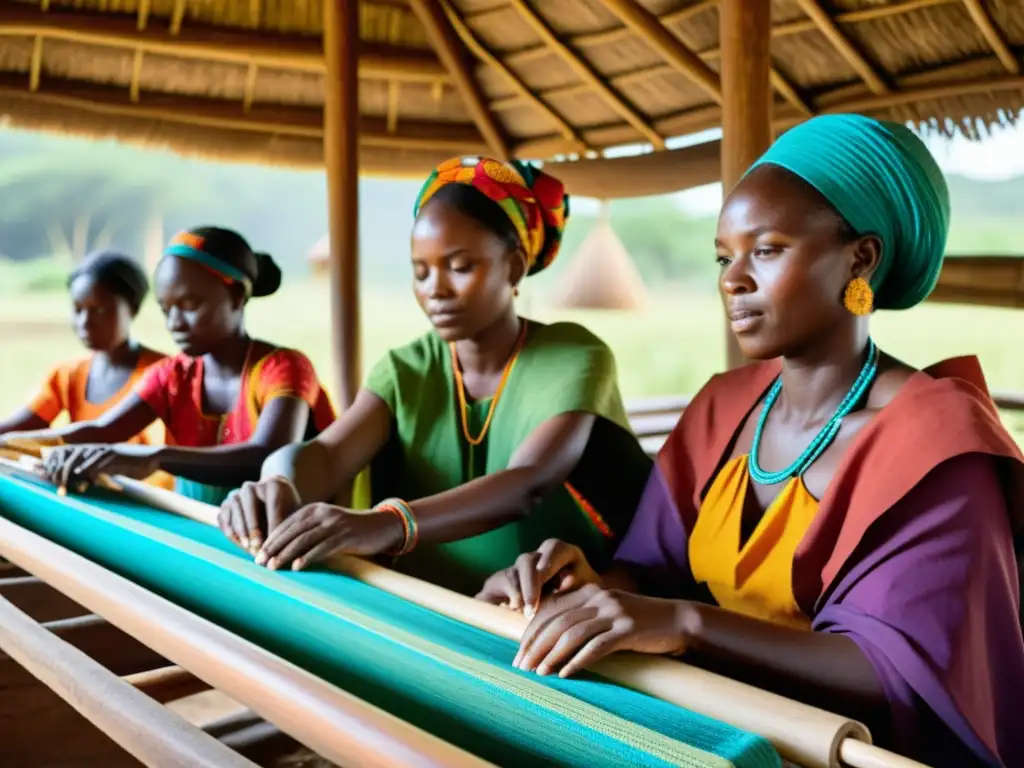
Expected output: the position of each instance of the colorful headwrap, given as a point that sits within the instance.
(536, 203)
(883, 181)
(190, 245)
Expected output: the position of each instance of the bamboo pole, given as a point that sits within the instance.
(745, 31)
(341, 153)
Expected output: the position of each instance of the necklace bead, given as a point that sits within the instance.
(824, 438)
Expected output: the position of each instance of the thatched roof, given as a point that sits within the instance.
(244, 79)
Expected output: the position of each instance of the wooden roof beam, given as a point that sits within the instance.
(841, 43)
(524, 92)
(785, 29)
(983, 20)
(454, 56)
(650, 28)
(304, 122)
(291, 52)
(587, 73)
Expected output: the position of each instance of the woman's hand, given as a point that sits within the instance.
(557, 566)
(574, 630)
(257, 507)
(73, 466)
(318, 530)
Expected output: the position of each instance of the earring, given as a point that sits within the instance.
(515, 290)
(858, 297)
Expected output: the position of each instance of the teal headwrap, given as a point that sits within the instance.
(884, 182)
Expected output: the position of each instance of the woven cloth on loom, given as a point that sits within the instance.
(450, 679)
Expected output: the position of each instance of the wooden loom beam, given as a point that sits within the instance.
(588, 74)
(483, 53)
(328, 720)
(290, 52)
(143, 728)
(987, 26)
(453, 55)
(842, 44)
(341, 156)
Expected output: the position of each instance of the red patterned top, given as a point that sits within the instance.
(173, 388)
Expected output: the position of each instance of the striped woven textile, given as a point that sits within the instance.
(448, 678)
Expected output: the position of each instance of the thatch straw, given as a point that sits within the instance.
(907, 43)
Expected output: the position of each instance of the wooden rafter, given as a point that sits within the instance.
(177, 16)
(485, 55)
(136, 76)
(983, 20)
(785, 29)
(648, 26)
(453, 55)
(36, 67)
(842, 44)
(143, 11)
(394, 98)
(782, 86)
(587, 73)
(304, 122)
(921, 86)
(250, 86)
(291, 52)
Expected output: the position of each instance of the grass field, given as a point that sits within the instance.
(669, 348)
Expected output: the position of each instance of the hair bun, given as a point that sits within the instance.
(268, 279)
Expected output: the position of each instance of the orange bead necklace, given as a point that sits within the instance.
(460, 388)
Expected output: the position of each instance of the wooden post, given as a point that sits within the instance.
(745, 32)
(341, 156)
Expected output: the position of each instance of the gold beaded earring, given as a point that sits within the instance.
(858, 297)
(515, 290)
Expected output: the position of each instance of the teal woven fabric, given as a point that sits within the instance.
(450, 679)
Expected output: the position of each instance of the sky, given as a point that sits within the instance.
(998, 156)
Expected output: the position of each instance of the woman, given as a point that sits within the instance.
(227, 400)
(837, 490)
(106, 290)
(488, 434)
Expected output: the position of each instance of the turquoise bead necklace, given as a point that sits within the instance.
(824, 438)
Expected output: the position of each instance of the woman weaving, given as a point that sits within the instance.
(106, 291)
(483, 437)
(227, 400)
(837, 490)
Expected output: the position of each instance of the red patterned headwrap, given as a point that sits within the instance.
(535, 203)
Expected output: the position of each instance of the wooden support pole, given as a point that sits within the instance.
(341, 156)
(745, 31)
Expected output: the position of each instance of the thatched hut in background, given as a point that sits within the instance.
(601, 274)
(319, 257)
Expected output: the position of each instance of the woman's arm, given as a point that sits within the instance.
(23, 420)
(118, 425)
(542, 463)
(283, 421)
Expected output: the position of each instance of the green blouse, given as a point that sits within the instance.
(562, 368)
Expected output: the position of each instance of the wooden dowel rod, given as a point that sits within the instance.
(167, 684)
(151, 733)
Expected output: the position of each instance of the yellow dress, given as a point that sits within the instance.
(755, 579)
